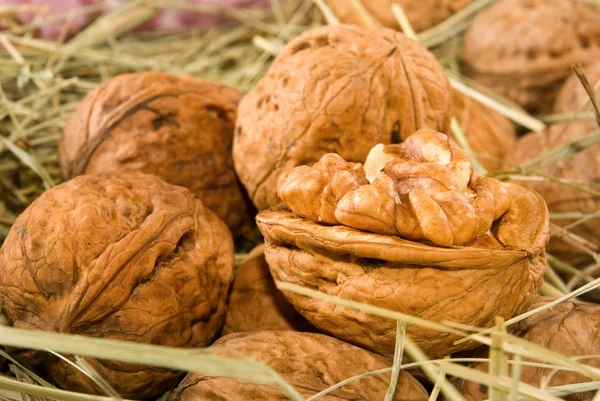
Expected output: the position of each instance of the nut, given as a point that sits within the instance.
(421, 14)
(309, 362)
(125, 257)
(572, 94)
(177, 128)
(489, 134)
(255, 303)
(533, 57)
(582, 167)
(570, 329)
(336, 89)
(390, 246)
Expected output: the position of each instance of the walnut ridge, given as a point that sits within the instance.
(427, 236)
(309, 362)
(523, 49)
(421, 14)
(178, 128)
(336, 89)
(125, 257)
(255, 303)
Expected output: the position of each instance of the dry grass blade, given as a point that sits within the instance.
(374, 310)
(516, 378)
(398, 352)
(327, 13)
(24, 378)
(437, 387)
(460, 137)
(365, 16)
(46, 392)
(97, 378)
(591, 92)
(559, 153)
(30, 161)
(29, 372)
(498, 362)
(349, 380)
(404, 22)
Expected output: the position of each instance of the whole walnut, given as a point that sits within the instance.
(177, 128)
(421, 14)
(490, 134)
(583, 168)
(255, 303)
(309, 362)
(124, 257)
(523, 49)
(415, 230)
(338, 89)
(569, 328)
(572, 94)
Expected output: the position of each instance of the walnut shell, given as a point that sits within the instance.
(572, 94)
(309, 362)
(255, 303)
(125, 257)
(583, 167)
(477, 248)
(336, 89)
(523, 49)
(570, 329)
(421, 14)
(177, 128)
(490, 134)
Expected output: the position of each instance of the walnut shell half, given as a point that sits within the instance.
(255, 303)
(336, 89)
(477, 248)
(125, 257)
(523, 49)
(309, 362)
(421, 14)
(570, 329)
(177, 128)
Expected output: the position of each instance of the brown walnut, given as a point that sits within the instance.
(124, 257)
(309, 362)
(336, 89)
(255, 303)
(570, 329)
(489, 134)
(523, 49)
(582, 167)
(421, 14)
(177, 128)
(425, 235)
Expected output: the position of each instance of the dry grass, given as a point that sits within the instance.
(41, 82)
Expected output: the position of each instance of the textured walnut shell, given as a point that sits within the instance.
(255, 303)
(177, 128)
(583, 167)
(421, 14)
(572, 94)
(309, 362)
(523, 49)
(125, 257)
(489, 134)
(336, 89)
(570, 329)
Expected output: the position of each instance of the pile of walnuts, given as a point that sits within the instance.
(344, 157)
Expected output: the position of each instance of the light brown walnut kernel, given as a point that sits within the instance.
(422, 14)
(125, 257)
(177, 128)
(570, 329)
(336, 89)
(255, 303)
(309, 362)
(523, 49)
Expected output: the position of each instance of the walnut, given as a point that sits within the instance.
(255, 304)
(583, 168)
(177, 128)
(570, 329)
(523, 49)
(336, 89)
(309, 362)
(572, 94)
(489, 134)
(421, 14)
(125, 257)
(427, 236)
